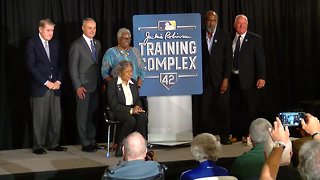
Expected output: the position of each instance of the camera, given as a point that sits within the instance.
(291, 118)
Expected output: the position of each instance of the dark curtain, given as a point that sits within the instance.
(290, 29)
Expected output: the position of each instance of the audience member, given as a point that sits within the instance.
(84, 62)
(309, 154)
(133, 165)
(309, 160)
(124, 102)
(212, 106)
(280, 136)
(311, 125)
(250, 163)
(248, 76)
(43, 61)
(205, 149)
(286, 171)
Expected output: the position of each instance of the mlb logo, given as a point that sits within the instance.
(167, 25)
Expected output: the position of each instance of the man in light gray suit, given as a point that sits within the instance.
(84, 65)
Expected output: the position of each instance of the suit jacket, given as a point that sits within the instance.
(84, 70)
(217, 64)
(252, 62)
(40, 67)
(116, 97)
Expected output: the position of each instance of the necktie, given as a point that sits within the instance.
(93, 50)
(46, 47)
(236, 55)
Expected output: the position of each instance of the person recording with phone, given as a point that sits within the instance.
(291, 119)
(311, 125)
(124, 102)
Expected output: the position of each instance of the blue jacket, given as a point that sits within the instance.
(205, 169)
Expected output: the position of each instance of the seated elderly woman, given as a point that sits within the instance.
(205, 149)
(124, 102)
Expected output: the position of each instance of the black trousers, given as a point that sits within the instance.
(131, 123)
(243, 107)
(211, 111)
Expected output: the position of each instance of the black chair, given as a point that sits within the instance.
(110, 120)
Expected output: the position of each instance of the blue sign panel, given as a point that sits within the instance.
(170, 45)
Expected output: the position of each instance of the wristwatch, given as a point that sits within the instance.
(279, 144)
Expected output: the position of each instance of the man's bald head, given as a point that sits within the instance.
(134, 147)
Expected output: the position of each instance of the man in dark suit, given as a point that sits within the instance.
(213, 104)
(248, 76)
(84, 65)
(44, 64)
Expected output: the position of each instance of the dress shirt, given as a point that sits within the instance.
(234, 47)
(126, 91)
(88, 41)
(210, 40)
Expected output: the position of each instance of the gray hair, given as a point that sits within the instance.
(286, 155)
(259, 130)
(240, 16)
(309, 160)
(205, 147)
(121, 31)
(47, 21)
(116, 71)
(84, 21)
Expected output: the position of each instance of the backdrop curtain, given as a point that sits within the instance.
(290, 29)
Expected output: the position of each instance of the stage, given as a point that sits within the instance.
(75, 164)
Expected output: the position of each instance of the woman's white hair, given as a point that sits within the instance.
(205, 147)
(116, 72)
(121, 31)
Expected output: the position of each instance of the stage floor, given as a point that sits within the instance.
(24, 161)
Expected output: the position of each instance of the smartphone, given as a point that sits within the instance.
(291, 118)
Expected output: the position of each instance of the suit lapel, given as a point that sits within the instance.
(41, 49)
(214, 41)
(244, 43)
(97, 50)
(87, 48)
(133, 92)
(120, 90)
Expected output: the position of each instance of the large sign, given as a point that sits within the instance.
(170, 45)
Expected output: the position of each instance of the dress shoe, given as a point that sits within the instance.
(39, 151)
(89, 148)
(97, 146)
(58, 148)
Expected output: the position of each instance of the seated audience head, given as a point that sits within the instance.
(123, 69)
(134, 147)
(259, 130)
(309, 160)
(286, 155)
(205, 147)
